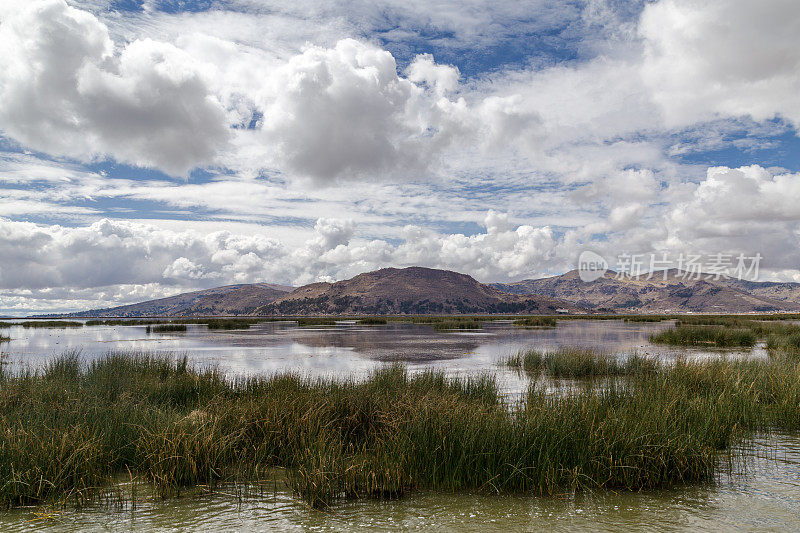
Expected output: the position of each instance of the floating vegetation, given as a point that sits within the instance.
(123, 322)
(646, 318)
(372, 321)
(457, 324)
(49, 324)
(230, 323)
(316, 321)
(166, 328)
(536, 322)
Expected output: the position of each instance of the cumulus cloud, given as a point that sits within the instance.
(64, 91)
(722, 57)
(345, 112)
(326, 113)
(748, 209)
(112, 253)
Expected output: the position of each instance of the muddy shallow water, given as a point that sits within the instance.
(766, 497)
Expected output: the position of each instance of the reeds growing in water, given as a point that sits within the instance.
(70, 428)
(536, 322)
(716, 336)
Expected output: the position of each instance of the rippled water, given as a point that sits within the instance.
(766, 498)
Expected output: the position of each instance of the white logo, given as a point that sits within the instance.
(591, 266)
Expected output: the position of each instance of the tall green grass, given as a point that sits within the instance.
(716, 336)
(229, 323)
(372, 321)
(71, 428)
(166, 328)
(456, 324)
(576, 362)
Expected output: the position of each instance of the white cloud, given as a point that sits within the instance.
(64, 91)
(110, 253)
(747, 209)
(722, 57)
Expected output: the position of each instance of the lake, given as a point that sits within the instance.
(764, 498)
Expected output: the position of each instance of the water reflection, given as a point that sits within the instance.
(342, 349)
(765, 499)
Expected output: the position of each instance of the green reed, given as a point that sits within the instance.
(536, 321)
(316, 321)
(714, 336)
(166, 328)
(72, 427)
(578, 362)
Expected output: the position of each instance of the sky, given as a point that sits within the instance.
(152, 147)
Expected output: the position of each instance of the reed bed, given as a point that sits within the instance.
(715, 336)
(228, 323)
(536, 322)
(123, 322)
(372, 321)
(166, 328)
(72, 427)
(316, 321)
(577, 362)
(43, 324)
(646, 318)
(457, 324)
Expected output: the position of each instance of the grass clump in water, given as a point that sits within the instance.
(576, 362)
(536, 322)
(316, 321)
(372, 321)
(646, 318)
(122, 322)
(716, 336)
(457, 324)
(49, 324)
(229, 323)
(166, 328)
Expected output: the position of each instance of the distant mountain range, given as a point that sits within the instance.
(412, 291)
(240, 299)
(389, 291)
(677, 292)
(417, 290)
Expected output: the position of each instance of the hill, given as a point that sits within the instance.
(677, 293)
(239, 299)
(413, 291)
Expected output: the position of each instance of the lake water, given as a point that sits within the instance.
(766, 498)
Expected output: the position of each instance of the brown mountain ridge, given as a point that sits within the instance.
(389, 291)
(409, 291)
(677, 292)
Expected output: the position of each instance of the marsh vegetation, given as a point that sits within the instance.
(626, 423)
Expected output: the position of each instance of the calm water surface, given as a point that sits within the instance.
(767, 498)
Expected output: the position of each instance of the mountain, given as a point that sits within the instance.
(390, 291)
(678, 293)
(775, 290)
(239, 299)
(413, 290)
